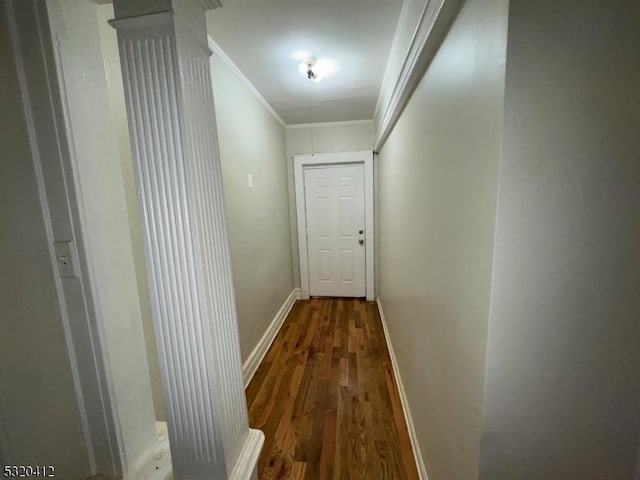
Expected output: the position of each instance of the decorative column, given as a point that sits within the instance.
(166, 72)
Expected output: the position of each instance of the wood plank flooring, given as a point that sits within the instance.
(326, 398)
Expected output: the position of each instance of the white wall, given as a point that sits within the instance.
(253, 142)
(321, 138)
(109, 43)
(40, 421)
(563, 391)
(105, 221)
(437, 180)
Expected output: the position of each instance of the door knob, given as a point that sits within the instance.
(360, 232)
(361, 241)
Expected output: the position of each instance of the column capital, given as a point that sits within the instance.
(128, 8)
(181, 19)
(211, 4)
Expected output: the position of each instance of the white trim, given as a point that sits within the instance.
(72, 352)
(217, 50)
(139, 21)
(386, 78)
(211, 4)
(330, 124)
(83, 332)
(257, 355)
(417, 454)
(369, 203)
(299, 162)
(246, 465)
(432, 28)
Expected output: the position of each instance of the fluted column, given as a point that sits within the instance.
(165, 65)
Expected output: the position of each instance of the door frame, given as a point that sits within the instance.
(300, 162)
(53, 154)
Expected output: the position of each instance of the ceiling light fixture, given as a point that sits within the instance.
(306, 68)
(314, 68)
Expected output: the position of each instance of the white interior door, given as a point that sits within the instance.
(335, 218)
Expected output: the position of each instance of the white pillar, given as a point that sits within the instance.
(165, 66)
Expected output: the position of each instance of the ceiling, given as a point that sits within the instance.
(262, 37)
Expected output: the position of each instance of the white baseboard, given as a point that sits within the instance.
(422, 469)
(247, 463)
(253, 361)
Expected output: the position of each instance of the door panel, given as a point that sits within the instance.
(334, 201)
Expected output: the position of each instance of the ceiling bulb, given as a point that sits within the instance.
(306, 67)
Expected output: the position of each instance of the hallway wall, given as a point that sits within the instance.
(437, 177)
(562, 384)
(253, 142)
(327, 138)
(37, 388)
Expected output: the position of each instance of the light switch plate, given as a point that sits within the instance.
(250, 180)
(65, 259)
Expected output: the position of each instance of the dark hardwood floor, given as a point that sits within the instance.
(326, 398)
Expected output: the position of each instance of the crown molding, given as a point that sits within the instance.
(217, 50)
(386, 77)
(330, 124)
(437, 16)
